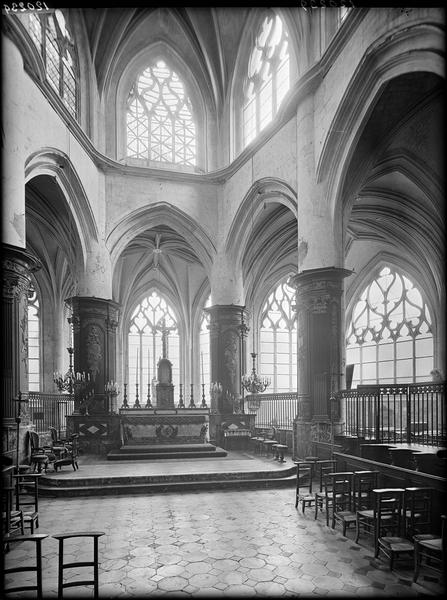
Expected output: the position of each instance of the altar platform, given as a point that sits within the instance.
(234, 470)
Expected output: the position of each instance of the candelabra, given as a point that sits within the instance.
(254, 383)
(112, 390)
(65, 383)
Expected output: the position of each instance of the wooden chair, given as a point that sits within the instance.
(304, 471)
(62, 537)
(364, 482)
(323, 467)
(325, 500)
(36, 538)
(71, 455)
(27, 495)
(384, 517)
(12, 519)
(418, 512)
(431, 553)
(40, 456)
(342, 512)
(391, 517)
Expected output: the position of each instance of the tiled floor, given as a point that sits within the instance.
(217, 543)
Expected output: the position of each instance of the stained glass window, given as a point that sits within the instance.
(389, 338)
(205, 348)
(278, 340)
(160, 125)
(33, 341)
(54, 42)
(268, 77)
(145, 346)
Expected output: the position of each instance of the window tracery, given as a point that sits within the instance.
(52, 38)
(268, 77)
(159, 119)
(389, 339)
(145, 344)
(278, 339)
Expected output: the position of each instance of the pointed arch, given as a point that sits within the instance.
(414, 48)
(55, 163)
(262, 193)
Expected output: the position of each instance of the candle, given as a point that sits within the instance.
(137, 364)
(148, 366)
(201, 357)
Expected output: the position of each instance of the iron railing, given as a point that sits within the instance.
(275, 410)
(411, 413)
(47, 410)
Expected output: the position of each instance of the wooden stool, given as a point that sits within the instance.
(94, 563)
(37, 539)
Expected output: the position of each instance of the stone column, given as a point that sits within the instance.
(320, 349)
(94, 340)
(17, 264)
(227, 340)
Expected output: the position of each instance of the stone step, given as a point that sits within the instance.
(131, 480)
(171, 454)
(152, 448)
(167, 487)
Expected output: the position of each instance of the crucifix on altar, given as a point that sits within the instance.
(165, 388)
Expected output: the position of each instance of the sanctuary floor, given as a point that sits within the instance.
(230, 543)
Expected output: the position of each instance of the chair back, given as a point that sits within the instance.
(418, 510)
(339, 486)
(387, 507)
(303, 470)
(364, 482)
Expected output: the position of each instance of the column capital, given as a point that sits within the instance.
(310, 278)
(17, 264)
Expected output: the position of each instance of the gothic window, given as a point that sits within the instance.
(33, 341)
(145, 346)
(54, 42)
(205, 348)
(160, 125)
(278, 340)
(268, 77)
(389, 339)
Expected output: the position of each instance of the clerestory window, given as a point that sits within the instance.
(278, 339)
(268, 77)
(389, 338)
(53, 40)
(160, 124)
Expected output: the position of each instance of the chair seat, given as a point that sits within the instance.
(433, 544)
(397, 544)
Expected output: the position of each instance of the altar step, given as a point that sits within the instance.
(158, 484)
(157, 451)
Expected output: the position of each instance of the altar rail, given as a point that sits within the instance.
(408, 413)
(275, 410)
(47, 410)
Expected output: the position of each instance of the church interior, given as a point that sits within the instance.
(223, 301)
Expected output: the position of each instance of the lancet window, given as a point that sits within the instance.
(160, 124)
(145, 348)
(389, 338)
(278, 339)
(52, 38)
(33, 340)
(205, 348)
(268, 77)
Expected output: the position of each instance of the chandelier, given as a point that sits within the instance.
(254, 383)
(71, 381)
